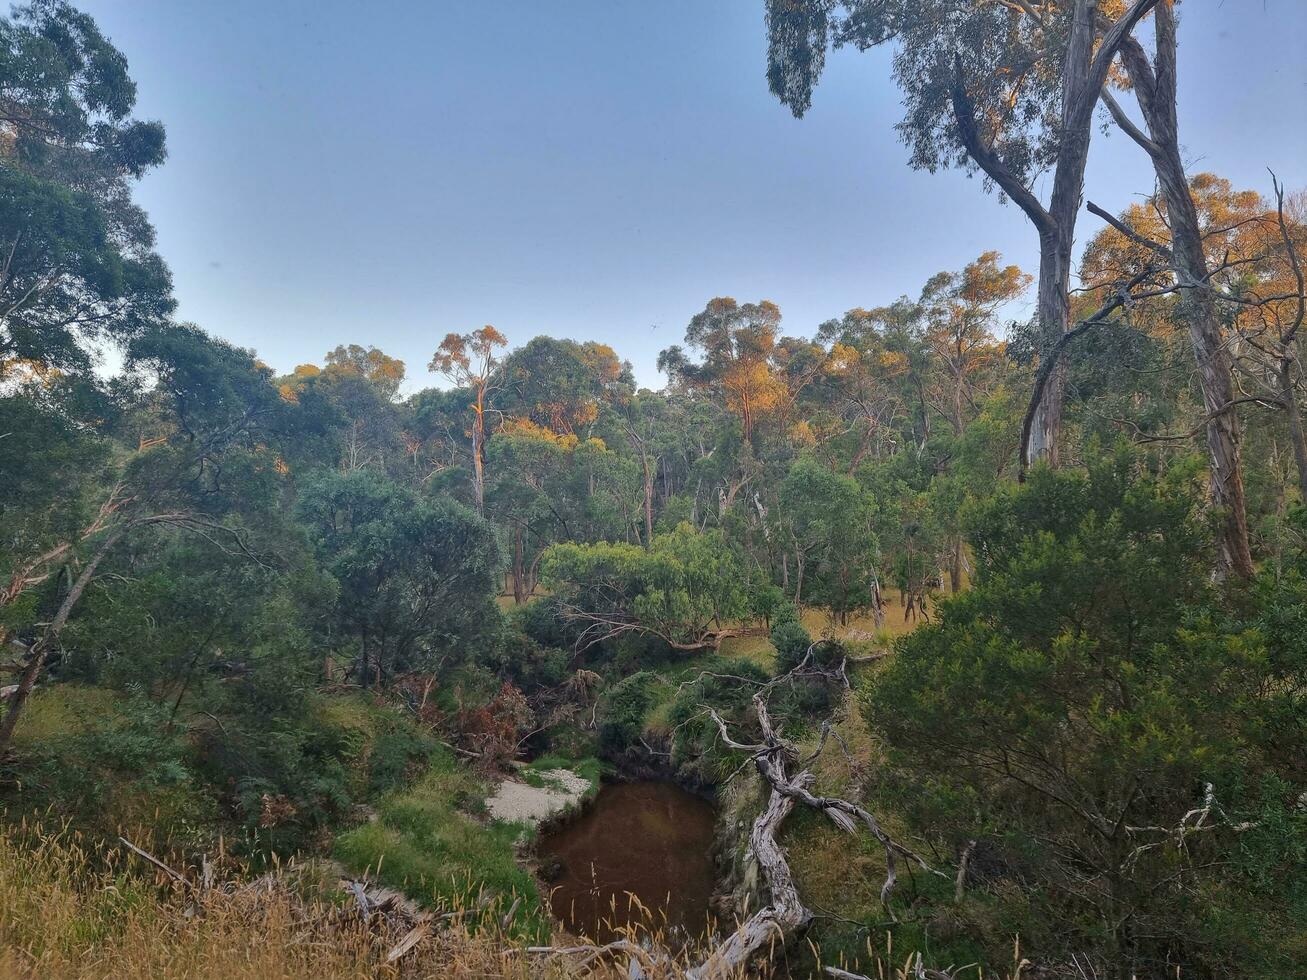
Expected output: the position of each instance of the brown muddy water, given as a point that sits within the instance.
(648, 839)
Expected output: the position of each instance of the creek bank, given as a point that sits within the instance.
(559, 791)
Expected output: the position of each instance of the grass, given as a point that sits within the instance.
(73, 912)
(89, 753)
(424, 843)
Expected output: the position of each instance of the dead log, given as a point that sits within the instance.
(774, 924)
(786, 916)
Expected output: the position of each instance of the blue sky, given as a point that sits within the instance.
(384, 173)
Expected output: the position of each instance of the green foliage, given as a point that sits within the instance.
(623, 709)
(681, 590)
(290, 775)
(830, 519)
(725, 684)
(416, 576)
(424, 843)
(791, 641)
(249, 534)
(111, 761)
(70, 154)
(1089, 686)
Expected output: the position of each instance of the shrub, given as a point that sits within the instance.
(622, 711)
(791, 641)
(728, 686)
(108, 761)
(1069, 711)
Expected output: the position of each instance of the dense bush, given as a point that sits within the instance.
(727, 685)
(789, 637)
(110, 762)
(622, 711)
(1070, 710)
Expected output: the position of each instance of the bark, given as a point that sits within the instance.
(49, 639)
(519, 572)
(785, 917)
(1289, 395)
(1155, 90)
(478, 463)
(1083, 76)
(648, 498)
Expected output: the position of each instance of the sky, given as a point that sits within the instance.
(385, 173)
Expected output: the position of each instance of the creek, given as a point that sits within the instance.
(650, 840)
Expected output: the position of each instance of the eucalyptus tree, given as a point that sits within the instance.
(417, 577)
(688, 590)
(960, 312)
(77, 260)
(471, 361)
(1007, 88)
(828, 519)
(1153, 82)
(376, 367)
(194, 446)
(1250, 248)
(738, 344)
(560, 384)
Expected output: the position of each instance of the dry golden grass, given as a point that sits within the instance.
(68, 912)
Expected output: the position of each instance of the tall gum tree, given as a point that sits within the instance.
(1154, 85)
(469, 361)
(1005, 87)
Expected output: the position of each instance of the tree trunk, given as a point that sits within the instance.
(955, 567)
(519, 572)
(478, 471)
(1289, 396)
(1083, 75)
(1053, 313)
(1155, 89)
(648, 500)
(41, 649)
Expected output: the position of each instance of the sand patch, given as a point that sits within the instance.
(523, 803)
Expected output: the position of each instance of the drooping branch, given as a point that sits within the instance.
(988, 159)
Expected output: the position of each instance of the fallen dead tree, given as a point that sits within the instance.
(786, 916)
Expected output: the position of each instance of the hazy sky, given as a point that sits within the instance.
(385, 172)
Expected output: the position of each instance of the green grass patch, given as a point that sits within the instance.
(424, 843)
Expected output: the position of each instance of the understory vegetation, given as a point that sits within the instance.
(990, 646)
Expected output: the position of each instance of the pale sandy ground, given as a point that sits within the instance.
(516, 801)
